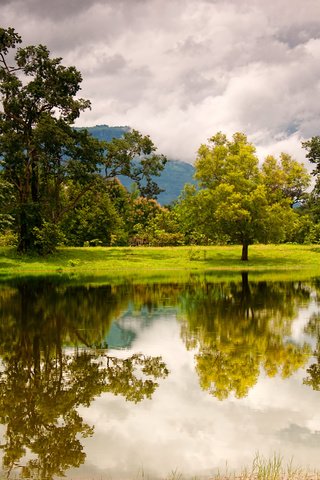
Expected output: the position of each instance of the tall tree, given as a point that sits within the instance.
(41, 150)
(37, 142)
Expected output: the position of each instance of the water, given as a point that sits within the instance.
(142, 379)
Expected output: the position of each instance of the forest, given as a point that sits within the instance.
(61, 186)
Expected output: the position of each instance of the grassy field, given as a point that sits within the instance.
(105, 261)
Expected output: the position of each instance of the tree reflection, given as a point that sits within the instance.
(240, 328)
(313, 329)
(42, 383)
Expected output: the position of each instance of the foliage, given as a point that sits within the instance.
(42, 153)
(237, 202)
(37, 142)
(161, 229)
(285, 179)
(120, 156)
(6, 200)
(95, 219)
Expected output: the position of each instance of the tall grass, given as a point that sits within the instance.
(271, 468)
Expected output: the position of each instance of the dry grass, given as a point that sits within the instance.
(269, 469)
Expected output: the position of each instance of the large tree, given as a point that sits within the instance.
(237, 201)
(41, 150)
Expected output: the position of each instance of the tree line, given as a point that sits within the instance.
(60, 186)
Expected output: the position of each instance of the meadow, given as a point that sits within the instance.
(296, 260)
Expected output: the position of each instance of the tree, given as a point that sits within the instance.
(40, 149)
(235, 201)
(285, 178)
(312, 206)
(6, 198)
(95, 219)
(38, 144)
(313, 148)
(134, 156)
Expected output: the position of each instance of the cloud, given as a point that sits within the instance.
(185, 429)
(184, 69)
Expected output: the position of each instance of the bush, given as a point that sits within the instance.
(47, 238)
(8, 238)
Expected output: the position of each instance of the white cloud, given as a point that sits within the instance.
(181, 70)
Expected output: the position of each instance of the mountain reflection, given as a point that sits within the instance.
(239, 328)
(42, 383)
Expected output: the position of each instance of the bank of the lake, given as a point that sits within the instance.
(152, 260)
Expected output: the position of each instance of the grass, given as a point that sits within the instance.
(262, 468)
(269, 469)
(124, 261)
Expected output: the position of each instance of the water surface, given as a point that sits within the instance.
(136, 379)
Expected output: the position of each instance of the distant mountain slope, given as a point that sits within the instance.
(173, 178)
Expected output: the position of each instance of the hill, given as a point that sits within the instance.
(174, 176)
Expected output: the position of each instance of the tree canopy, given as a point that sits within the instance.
(41, 150)
(237, 201)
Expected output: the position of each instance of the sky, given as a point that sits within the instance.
(181, 70)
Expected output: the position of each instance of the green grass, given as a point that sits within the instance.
(179, 261)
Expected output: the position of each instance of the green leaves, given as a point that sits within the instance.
(134, 156)
(237, 199)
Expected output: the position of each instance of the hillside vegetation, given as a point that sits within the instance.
(172, 179)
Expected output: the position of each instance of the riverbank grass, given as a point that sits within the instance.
(118, 260)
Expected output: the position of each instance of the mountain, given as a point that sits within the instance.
(174, 176)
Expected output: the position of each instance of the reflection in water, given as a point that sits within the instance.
(313, 328)
(41, 385)
(239, 328)
(54, 359)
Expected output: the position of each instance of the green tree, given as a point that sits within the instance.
(42, 152)
(236, 202)
(285, 179)
(95, 219)
(6, 200)
(312, 205)
(37, 142)
(313, 155)
(134, 156)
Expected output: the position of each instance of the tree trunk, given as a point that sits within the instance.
(244, 256)
(29, 217)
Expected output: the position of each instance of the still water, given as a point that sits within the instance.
(143, 379)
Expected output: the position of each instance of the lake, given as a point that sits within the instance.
(146, 379)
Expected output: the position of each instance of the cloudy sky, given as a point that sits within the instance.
(181, 70)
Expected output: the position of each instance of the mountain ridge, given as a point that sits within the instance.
(172, 179)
